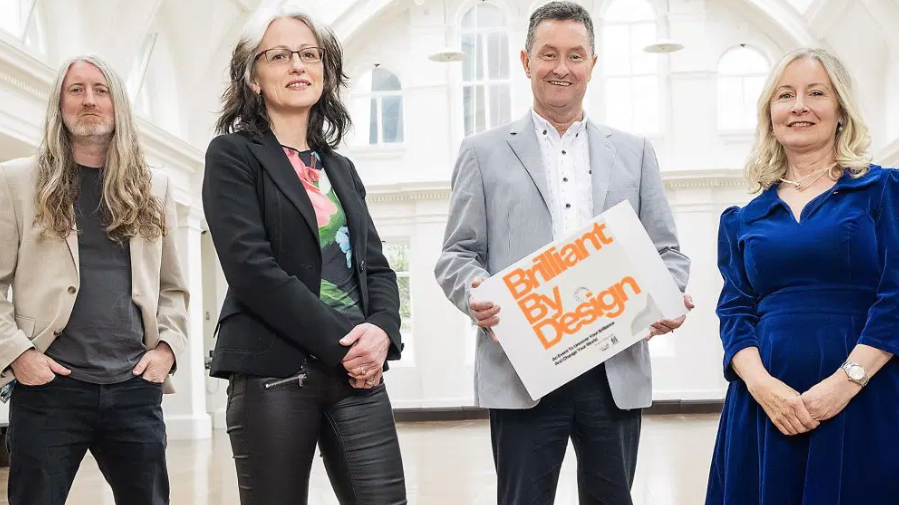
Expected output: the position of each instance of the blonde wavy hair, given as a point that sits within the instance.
(767, 162)
(128, 203)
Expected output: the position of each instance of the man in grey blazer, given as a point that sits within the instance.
(516, 188)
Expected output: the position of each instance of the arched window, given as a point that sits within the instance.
(631, 75)
(152, 83)
(24, 19)
(486, 87)
(13, 16)
(378, 108)
(741, 76)
(138, 85)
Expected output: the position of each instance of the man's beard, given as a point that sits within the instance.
(87, 130)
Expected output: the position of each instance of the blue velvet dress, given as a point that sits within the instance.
(805, 293)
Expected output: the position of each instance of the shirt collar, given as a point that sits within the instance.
(542, 125)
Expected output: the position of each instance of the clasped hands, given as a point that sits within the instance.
(364, 362)
(794, 413)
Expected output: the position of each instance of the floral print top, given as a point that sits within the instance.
(339, 287)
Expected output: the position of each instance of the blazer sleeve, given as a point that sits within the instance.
(882, 326)
(655, 214)
(464, 255)
(383, 292)
(13, 342)
(171, 310)
(737, 305)
(235, 220)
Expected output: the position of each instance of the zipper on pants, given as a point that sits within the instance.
(299, 379)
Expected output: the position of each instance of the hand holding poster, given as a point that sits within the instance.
(579, 301)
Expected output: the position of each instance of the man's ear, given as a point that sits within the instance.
(526, 63)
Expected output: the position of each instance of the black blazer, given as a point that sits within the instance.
(266, 237)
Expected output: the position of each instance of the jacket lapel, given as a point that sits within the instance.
(72, 242)
(273, 160)
(602, 159)
(524, 143)
(342, 182)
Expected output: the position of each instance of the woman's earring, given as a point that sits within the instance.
(839, 127)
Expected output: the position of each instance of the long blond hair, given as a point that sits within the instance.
(767, 163)
(128, 203)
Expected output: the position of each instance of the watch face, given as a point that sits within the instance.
(855, 372)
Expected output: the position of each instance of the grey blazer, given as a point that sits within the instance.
(498, 214)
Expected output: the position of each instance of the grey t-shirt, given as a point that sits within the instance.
(103, 340)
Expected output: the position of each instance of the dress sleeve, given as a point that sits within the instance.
(738, 304)
(882, 327)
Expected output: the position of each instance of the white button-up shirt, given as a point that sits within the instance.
(566, 160)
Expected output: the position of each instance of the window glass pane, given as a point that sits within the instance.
(393, 119)
(645, 101)
(482, 57)
(384, 80)
(468, 108)
(500, 104)
(360, 108)
(752, 91)
(616, 50)
(397, 255)
(469, 48)
(480, 123)
(489, 16)
(742, 61)
(468, 22)
(498, 55)
(618, 103)
(373, 122)
(405, 303)
(643, 62)
(11, 16)
(473, 103)
(730, 103)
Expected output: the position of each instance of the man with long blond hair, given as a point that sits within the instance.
(99, 305)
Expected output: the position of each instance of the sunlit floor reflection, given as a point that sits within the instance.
(446, 464)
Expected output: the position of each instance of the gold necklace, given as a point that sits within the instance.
(798, 182)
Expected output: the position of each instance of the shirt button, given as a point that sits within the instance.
(565, 179)
(72, 290)
(544, 132)
(563, 152)
(567, 205)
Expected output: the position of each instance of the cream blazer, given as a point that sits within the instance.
(44, 274)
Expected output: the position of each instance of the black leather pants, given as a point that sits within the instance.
(275, 424)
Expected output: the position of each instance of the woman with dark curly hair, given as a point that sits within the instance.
(312, 310)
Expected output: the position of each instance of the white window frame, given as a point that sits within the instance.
(743, 128)
(485, 82)
(379, 97)
(631, 76)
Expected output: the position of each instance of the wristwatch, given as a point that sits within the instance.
(855, 372)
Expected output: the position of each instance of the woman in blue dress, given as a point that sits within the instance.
(809, 311)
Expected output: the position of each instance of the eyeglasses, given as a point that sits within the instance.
(282, 56)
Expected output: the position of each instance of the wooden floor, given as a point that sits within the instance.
(446, 464)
